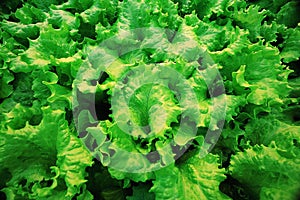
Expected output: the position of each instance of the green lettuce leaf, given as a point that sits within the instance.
(160, 13)
(290, 51)
(194, 179)
(141, 192)
(60, 17)
(21, 30)
(33, 169)
(29, 14)
(250, 19)
(6, 77)
(72, 159)
(270, 129)
(102, 12)
(267, 171)
(53, 46)
(272, 5)
(289, 14)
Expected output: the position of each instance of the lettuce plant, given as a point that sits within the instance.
(164, 99)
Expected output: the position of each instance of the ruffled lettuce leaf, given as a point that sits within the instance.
(53, 46)
(120, 153)
(193, 179)
(44, 5)
(274, 129)
(292, 18)
(6, 77)
(42, 165)
(248, 42)
(134, 14)
(20, 30)
(290, 51)
(269, 175)
(250, 19)
(28, 14)
(122, 81)
(18, 115)
(272, 5)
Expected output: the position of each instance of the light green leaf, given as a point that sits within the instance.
(72, 159)
(250, 19)
(21, 30)
(49, 47)
(153, 108)
(194, 179)
(266, 170)
(290, 51)
(30, 15)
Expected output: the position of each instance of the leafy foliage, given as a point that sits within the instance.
(127, 99)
